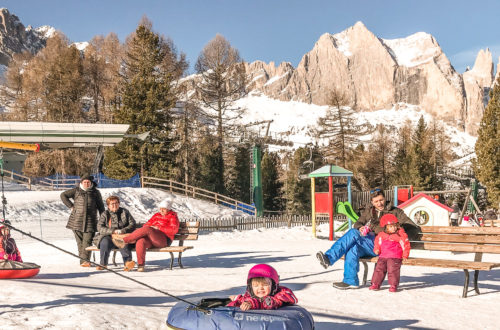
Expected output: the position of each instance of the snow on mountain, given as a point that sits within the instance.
(81, 45)
(45, 31)
(414, 50)
(296, 121)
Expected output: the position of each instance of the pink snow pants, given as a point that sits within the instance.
(146, 237)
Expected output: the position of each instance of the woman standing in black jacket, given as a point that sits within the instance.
(84, 201)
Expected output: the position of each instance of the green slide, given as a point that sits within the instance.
(345, 208)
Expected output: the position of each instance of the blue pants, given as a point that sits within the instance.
(105, 247)
(354, 246)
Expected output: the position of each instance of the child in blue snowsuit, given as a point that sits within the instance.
(358, 242)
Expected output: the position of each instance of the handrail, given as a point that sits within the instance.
(196, 192)
(22, 178)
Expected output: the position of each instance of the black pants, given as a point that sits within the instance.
(105, 247)
(83, 241)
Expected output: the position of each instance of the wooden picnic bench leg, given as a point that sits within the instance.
(179, 259)
(476, 276)
(365, 272)
(466, 284)
(171, 260)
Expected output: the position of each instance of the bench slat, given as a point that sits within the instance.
(461, 238)
(188, 230)
(443, 263)
(165, 249)
(461, 230)
(455, 247)
(181, 237)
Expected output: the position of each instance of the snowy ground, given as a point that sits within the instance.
(66, 296)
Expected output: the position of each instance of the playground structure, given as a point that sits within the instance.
(419, 206)
(322, 202)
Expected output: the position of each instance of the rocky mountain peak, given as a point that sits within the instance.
(15, 38)
(483, 68)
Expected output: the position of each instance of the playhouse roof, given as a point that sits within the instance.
(422, 195)
(330, 170)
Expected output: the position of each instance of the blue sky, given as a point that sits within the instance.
(274, 30)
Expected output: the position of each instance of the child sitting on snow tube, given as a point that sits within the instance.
(263, 291)
(8, 247)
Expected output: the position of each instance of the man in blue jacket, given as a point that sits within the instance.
(358, 241)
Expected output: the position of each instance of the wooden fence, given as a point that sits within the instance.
(249, 223)
(17, 178)
(195, 192)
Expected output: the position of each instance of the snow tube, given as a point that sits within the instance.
(12, 269)
(187, 317)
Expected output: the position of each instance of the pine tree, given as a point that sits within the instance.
(400, 168)
(272, 187)
(297, 190)
(487, 165)
(222, 83)
(340, 128)
(151, 66)
(238, 174)
(421, 173)
(208, 176)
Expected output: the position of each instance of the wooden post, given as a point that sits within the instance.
(313, 207)
(330, 206)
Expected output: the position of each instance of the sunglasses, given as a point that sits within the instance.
(375, 190)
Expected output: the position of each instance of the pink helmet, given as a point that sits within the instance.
(388, 219)
(263, 270)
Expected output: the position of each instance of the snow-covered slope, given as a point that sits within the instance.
(296, 121)
(66, 296)
(143, 203)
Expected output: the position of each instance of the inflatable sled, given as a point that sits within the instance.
(12, 269)
(187, 317)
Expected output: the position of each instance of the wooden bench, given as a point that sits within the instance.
(188, 231)
(477, 240)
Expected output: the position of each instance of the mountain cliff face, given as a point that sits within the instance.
(372, 73)
(15, 38)
(376, 73)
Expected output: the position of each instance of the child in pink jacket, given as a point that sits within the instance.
(392, 246)
(263, 291)
(8, 247)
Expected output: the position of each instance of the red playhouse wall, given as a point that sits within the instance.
(404, 194)
(321, 200)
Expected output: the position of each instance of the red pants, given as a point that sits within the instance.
(146, 237)
(392, 267)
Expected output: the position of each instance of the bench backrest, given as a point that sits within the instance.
(459, 239)
(188, 231)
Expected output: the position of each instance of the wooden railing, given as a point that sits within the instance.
(195, 192)
(59, 183)
(17, 178)
(249, 223)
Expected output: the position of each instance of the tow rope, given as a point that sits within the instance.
(204, 310)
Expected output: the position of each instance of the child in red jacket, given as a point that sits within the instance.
(8, 247)
(392, 246)
(263, 291)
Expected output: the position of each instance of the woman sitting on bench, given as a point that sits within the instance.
(158, 232)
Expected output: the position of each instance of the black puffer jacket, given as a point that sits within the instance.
(110, 221)
(85, 206)
(372, 216)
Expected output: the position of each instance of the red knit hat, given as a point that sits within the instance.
(388, 219)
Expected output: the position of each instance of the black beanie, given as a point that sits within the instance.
(86, 177)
